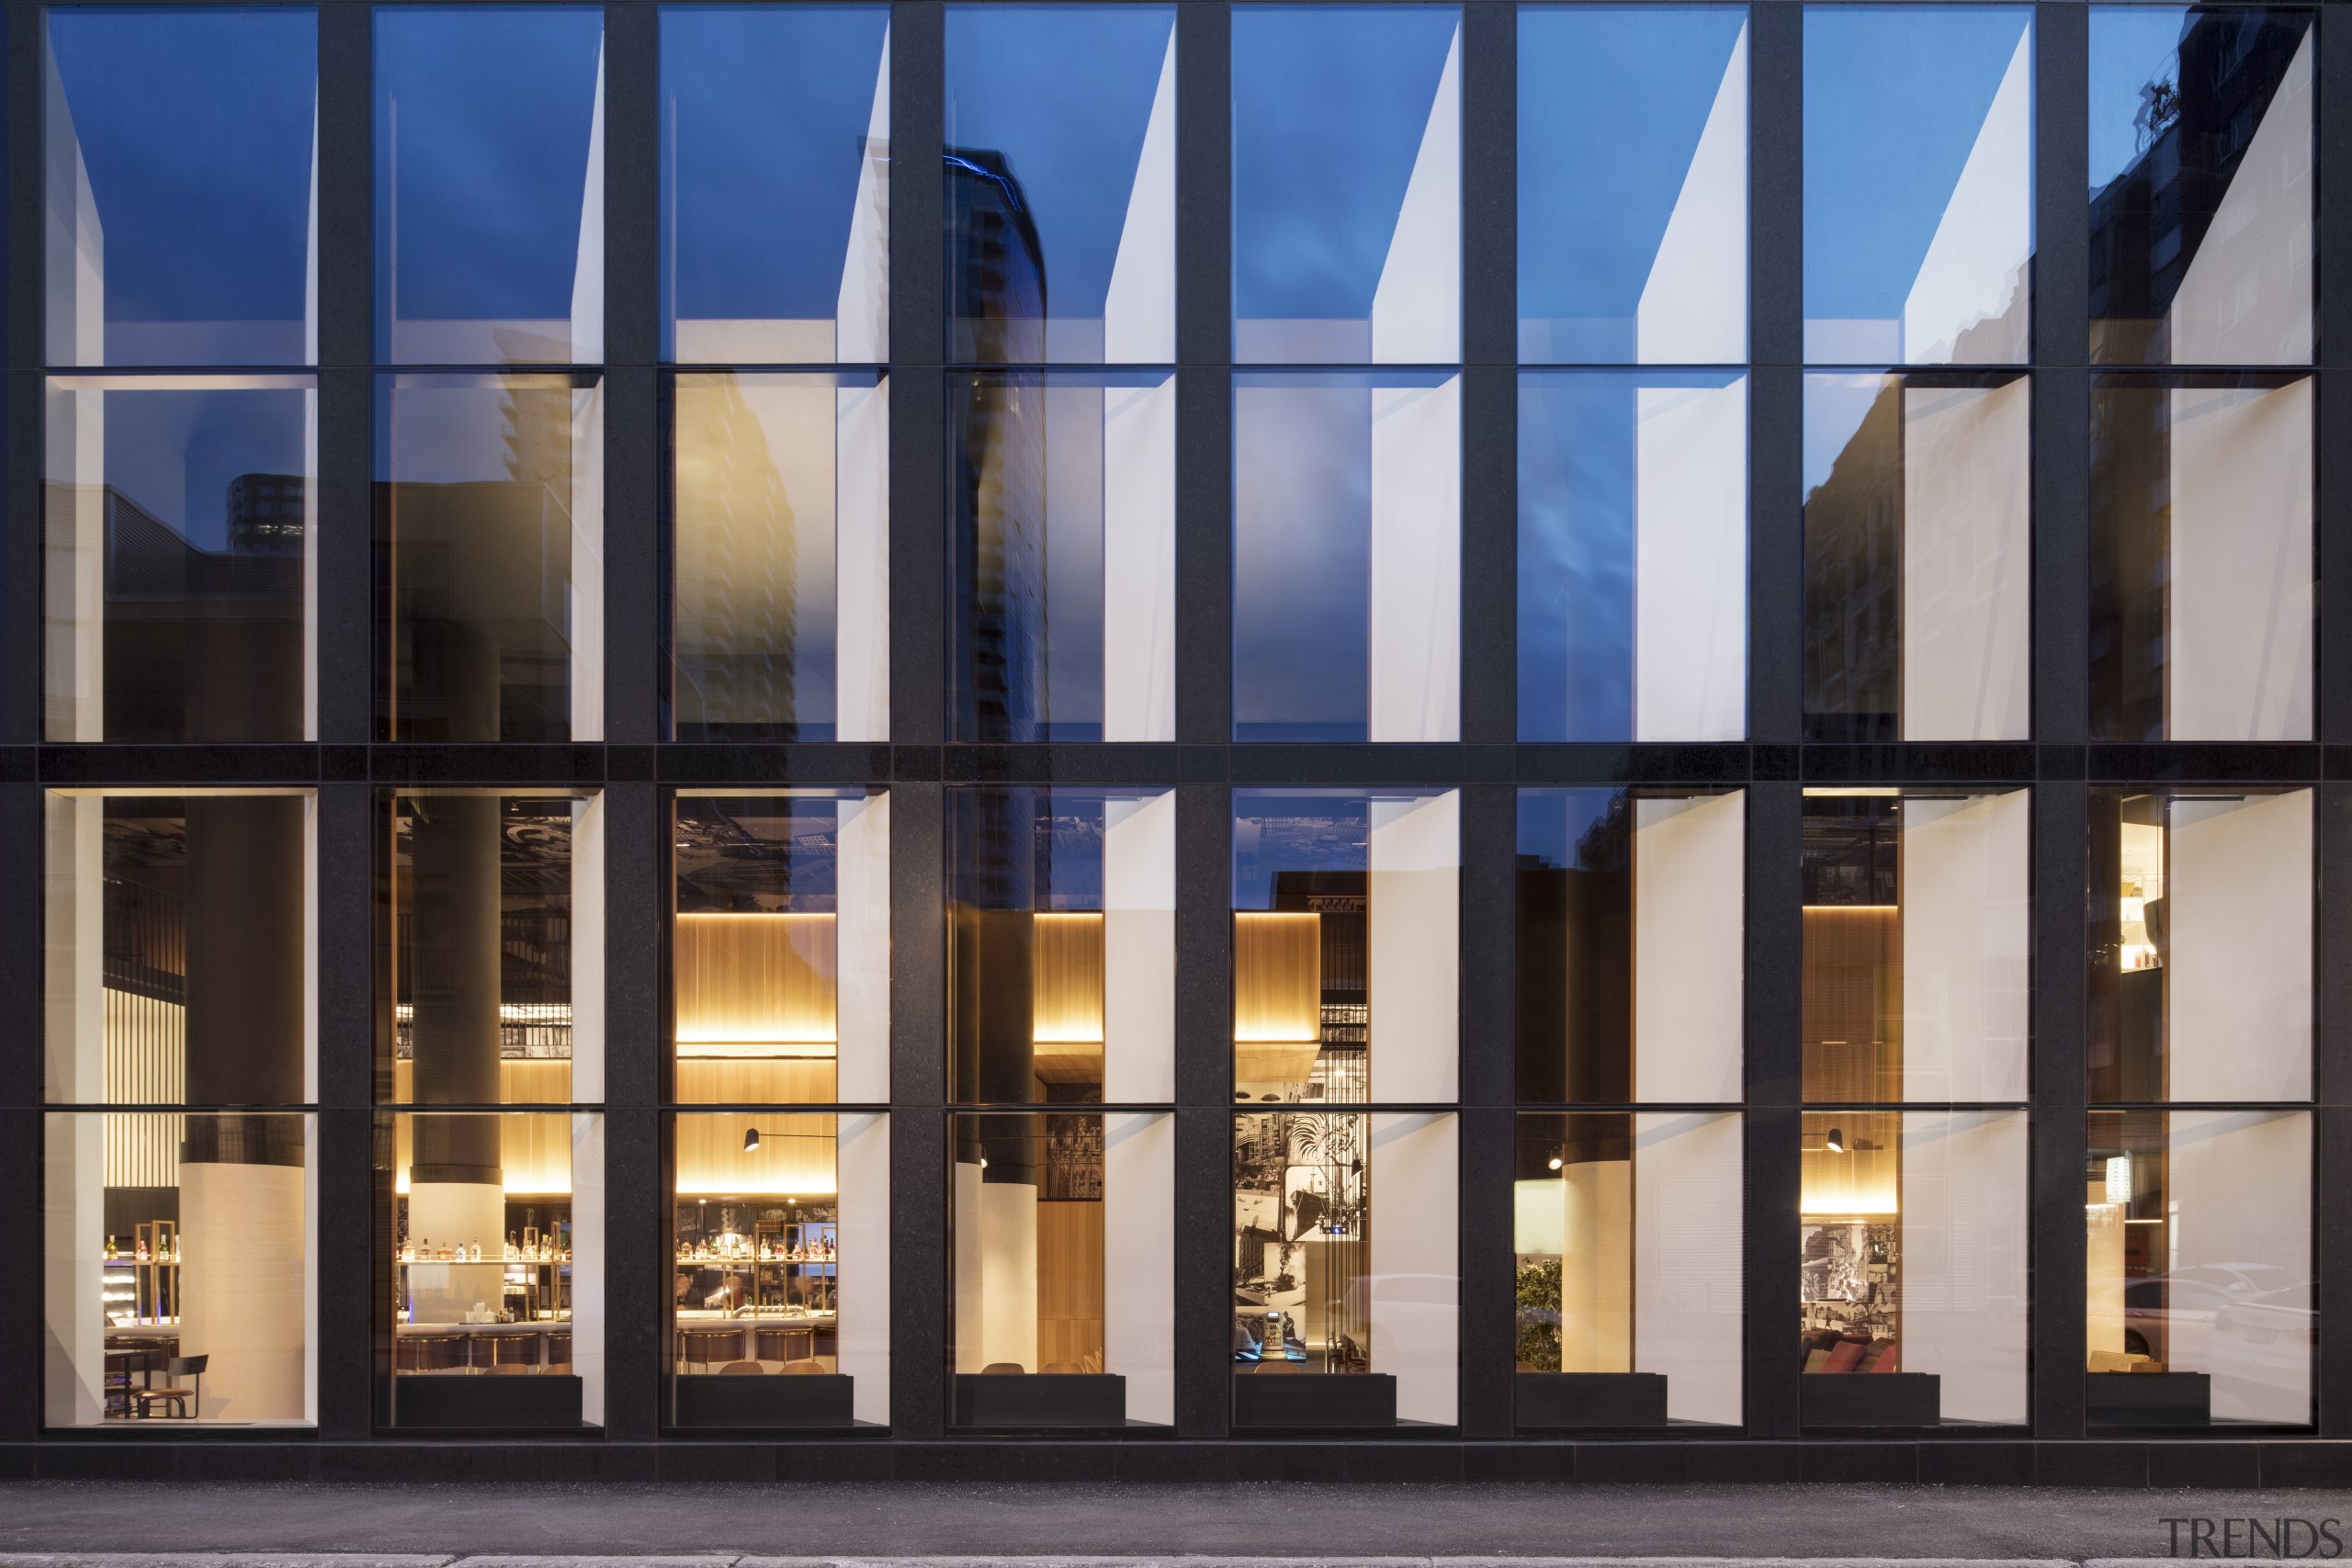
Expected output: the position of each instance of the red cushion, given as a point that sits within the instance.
(1891, 1360)
(1846, 1357)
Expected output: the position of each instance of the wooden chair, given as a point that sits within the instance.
(742, 1369)
(784, 1344)
(1013, 1369)
(185, 1401)
(806, 1368)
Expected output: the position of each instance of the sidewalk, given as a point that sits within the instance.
(763, 1526)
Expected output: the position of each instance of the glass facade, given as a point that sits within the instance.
(715, 790)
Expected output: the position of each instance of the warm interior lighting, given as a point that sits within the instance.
(759, 983)
(1277, 994)
(792, 1154)
(1066, 980)
(2118, 1179)
(1850, 1168)
(534, 1151)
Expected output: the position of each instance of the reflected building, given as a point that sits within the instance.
(1853, 583)
(2152, 221)
(207, 645)
(996, 275)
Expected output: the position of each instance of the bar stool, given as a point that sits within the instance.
(701, 1346)
(513, 1352)
(784, 1344)
(432, 1353)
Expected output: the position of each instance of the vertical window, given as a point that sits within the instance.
(1918, 946)
(1061, 1250)
(1918, 559)
(1632, 555)
(1061, 977)
(490, 936)
(179, 527)
(1347, 185)
(1913, 1238)
(780, 945)
(1917, 968)
(776, 178)
(1627, 1289)
(2204, 576)
(489, 534)
(2199, 1282)
(1632, 189)
(1630, 936)
(1347, 542)
(2200, 945)
(2202, 184)
(1346, 997)
(180, 189)
(1061, 183)
(490, 185)
(1919, 185)
(1063, 548)
(780, 1278)
(776, 620)
(177, 1225)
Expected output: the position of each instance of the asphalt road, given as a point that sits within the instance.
(1324, 1522)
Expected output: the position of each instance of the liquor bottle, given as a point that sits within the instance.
(473, 1253)
(110, 1249)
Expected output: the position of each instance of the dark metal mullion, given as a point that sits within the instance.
(1775, 956)
(2059, 1129)
(20, 395)
(2332, 319)
(2332, 1129)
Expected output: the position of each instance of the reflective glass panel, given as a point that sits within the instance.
(1633, 557)
(2203, 580)
(490, 933)
(1626, 1291)
(1063, 548)
(1347, 185)
(775, 171)
(181, 199)
(1347, 556)
(777, 619)
(1919, 185)
(1346, 945)
(178, 1278)
(2199, 1287)
(780, 947)
(1914, 1240)
(490, 538)
(490, 185)
(1061, 959)
(1918, 558)
(780, 1247)
(1917, 945)
(1631, 942)
(497, 1252)
(1061, 183)
(179, 525)
(1632, 186)
(2200, 909)
(1061, 1248)
(178, 969)
(2201, 147)
(1319, 1289)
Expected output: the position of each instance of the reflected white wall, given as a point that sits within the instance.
(2238, 886)
(1964, 1265)
(1970, 303)
(1417, 308)
(1413, 950)
(1967, 947)
(1967, 562)
(2246, 296)
(1689, 964)
(1688, 1289)
(2240, 1185)
(862, 1169)
(1415, 1282)
(1693, 308)
(862, 927)
(1139, 1261)
(2239, 591)
(1139, 950)
(1690, 562)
